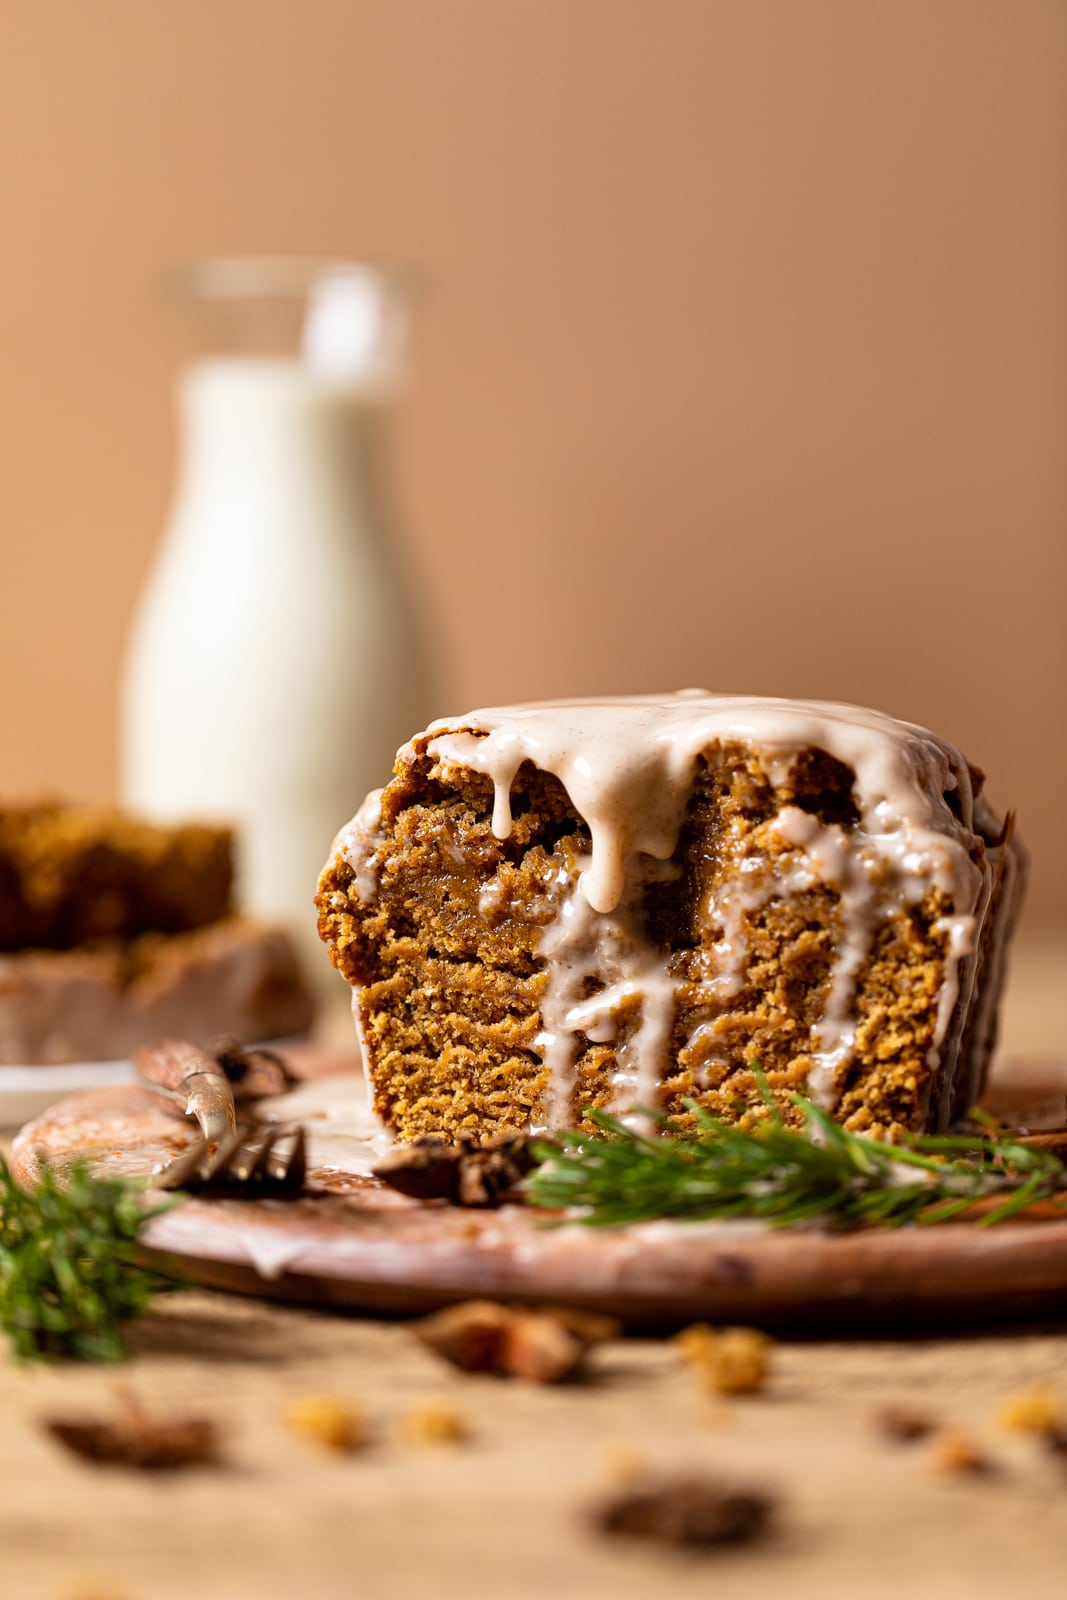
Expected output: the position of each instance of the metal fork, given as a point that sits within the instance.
(230, 1156)
(250, 1160)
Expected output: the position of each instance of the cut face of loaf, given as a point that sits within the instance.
(628, 903)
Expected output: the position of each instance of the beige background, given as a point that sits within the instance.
(744, 361)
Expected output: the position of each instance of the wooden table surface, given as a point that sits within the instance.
(504, 1514)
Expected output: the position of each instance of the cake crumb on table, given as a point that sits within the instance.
(335, 1424)
(434, 1424)
(1038, 1410)
(731, 1360)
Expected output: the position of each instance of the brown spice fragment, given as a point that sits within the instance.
(252, 1074)
(958, 1452)
(690, 1511)
(463, 1174)
(544, 1345)
(896, 1422)
(334, 1424)
(731, 1360)
(133, 1439)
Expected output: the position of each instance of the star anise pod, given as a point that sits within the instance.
(693, 1511)
(133, 1438)
(252, 1074)
(463, 1174)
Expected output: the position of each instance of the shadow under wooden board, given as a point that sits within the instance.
(351, 1243)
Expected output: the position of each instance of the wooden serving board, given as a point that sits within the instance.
(350, 1242)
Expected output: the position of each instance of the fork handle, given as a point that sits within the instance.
(190, 1077)
(168, 1063)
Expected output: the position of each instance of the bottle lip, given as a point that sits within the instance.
(347, 320)
(278, 277)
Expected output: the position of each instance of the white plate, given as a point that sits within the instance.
(27, 1091)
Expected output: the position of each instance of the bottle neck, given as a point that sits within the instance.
(266, 442)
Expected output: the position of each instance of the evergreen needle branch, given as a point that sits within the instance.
(785, 1176)
(68, 1273)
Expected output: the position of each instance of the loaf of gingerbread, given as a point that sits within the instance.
(115, 930)
(639, 903)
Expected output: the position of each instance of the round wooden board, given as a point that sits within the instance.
(350, 1242)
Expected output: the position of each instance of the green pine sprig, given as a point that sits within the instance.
(68, 1273)
(785, 1176)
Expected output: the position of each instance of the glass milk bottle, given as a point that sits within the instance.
(274, 663)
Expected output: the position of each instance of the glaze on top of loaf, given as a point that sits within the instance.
(627, 764)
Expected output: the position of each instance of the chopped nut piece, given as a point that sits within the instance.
(957, 1452)
(538, 1347)
(896, 1422)
(470, 1336)
(688, 1511)
(134, 1439)
(732, 1360)
(544, 1346)
(1032, 1411)
(435, 1424)
(464, 1174)
(333, 1423)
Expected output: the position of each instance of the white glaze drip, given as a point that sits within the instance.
(850, 868)
(634, 1005)
(359, 841)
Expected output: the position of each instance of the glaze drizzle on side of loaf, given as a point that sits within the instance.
(628, 767)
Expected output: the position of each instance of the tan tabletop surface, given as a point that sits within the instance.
(504, 1513)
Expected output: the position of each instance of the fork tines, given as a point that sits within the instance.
(253, 1161)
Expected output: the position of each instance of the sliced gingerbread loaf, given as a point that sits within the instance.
(115, 930)
(629, 903)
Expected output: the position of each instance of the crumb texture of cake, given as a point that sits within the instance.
(114, 931)
(629, 903)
